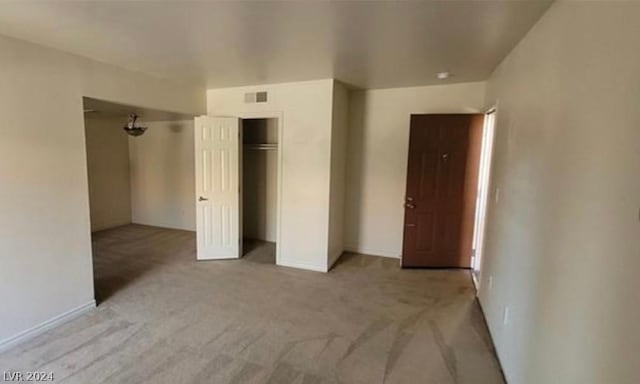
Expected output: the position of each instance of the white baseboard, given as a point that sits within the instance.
(188, 228)
(109, 226)
(372, 252)
(299, 265)
(45, 326)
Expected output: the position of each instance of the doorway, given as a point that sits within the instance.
(441, 190)
(140, 188)
(259, 189)
(229, 153)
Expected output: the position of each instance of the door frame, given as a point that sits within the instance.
(280, 116)
(469, 236)
(465, 213)
(484, 194)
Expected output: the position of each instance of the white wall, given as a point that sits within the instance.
(260, 181)
(45, 252)
(306, 151)
(163, 175)
(377, 158)
(108, 172)
(563, 241)
(339, 134)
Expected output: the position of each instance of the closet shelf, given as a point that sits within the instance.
(261, 147)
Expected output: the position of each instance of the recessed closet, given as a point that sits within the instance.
(259, 188)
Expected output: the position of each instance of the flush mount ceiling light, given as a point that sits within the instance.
(131, 128)
(443, 75)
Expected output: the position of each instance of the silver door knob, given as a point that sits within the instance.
(202, 198)
(410, 206)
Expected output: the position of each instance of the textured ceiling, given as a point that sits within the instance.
(217, 44)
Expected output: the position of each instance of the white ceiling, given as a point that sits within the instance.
(217, 44)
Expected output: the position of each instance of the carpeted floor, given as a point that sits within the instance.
(162, 317)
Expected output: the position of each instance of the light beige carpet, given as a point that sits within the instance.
(165, 318)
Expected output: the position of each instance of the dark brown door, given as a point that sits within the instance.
(435, 199)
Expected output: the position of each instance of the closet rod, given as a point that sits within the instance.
(262, 147)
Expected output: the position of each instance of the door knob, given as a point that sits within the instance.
(202, 198)
(410, 206)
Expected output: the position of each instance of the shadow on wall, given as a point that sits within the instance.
(176, 127)
(355, 171)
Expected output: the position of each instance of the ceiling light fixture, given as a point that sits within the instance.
(443, 75)
(131, 128)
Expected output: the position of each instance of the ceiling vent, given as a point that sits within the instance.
(255, 97)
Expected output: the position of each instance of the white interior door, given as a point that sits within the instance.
(217, 147)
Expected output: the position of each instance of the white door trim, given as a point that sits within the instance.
(484, 190)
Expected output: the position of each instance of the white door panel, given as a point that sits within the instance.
(217, 147)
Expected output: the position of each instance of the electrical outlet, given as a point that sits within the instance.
(505, 316)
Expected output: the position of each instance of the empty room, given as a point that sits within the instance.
(320, 192)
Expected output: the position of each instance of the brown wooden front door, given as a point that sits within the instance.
(435, 198)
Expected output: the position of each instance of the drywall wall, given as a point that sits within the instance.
(163, 175)
(108, 172)
(46, 272)
(339, 132)
(305, 108)
(563, 244)
(259, 180)
(378, 146)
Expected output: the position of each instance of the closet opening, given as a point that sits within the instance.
(259, 208)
